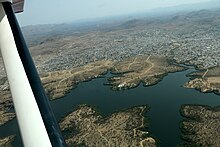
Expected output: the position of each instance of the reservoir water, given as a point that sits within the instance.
(164, 98)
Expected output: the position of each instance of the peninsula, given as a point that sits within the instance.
(148, 70)
(201, 126)
(86, 127)
(206, 80)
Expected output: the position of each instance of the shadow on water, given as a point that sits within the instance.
(165, 100)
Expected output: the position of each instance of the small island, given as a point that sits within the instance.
(201, 126)
(86, 127)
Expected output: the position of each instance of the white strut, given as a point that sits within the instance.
(33, 131)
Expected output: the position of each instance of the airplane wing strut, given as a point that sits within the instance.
(35, 117)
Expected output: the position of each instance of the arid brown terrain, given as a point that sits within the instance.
(6, 142)
(5, 102)
(135, 51)
(58, 83)
(130, 73)
(148, 70)
(201, 126)
(206, 81)
(86, 127)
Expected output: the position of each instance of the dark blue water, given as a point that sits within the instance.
(165, 100)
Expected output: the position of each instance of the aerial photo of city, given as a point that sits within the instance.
(141, 79)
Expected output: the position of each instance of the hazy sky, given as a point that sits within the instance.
(59, 11)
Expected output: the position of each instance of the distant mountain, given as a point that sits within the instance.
(38, 34)
(202, 13)
(211, 5)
